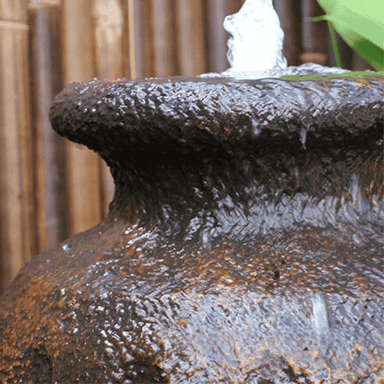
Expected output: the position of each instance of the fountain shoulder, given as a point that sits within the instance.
(117, 117)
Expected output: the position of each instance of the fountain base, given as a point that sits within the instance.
(244, 241)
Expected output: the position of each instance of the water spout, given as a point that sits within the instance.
(257, 39)
(255, 49)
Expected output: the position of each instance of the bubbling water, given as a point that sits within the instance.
(256, 46)
(257, 39)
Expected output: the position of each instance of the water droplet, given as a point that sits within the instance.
(66, 247)
(320, 315)
(256, 130)
(356, 238)
(303, 137)
(205, 239)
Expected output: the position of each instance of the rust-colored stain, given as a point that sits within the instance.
(244, 243)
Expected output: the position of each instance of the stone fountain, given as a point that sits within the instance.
(243, 245)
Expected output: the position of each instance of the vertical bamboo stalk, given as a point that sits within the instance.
(137, 38)
(16, 199)
(164, 38)
(216, 36)
(107, 18)
(108, 30)
(150, 38)
(140, 17)
(49, 157)
(289, 12)
(190, 37)
(314, 35)
(83, 171)
(128, 39)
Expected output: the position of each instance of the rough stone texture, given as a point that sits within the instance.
(244, 243)
(119, 119)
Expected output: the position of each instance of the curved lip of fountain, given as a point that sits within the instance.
(186, 114)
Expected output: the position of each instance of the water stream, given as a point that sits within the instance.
(256, 45)
(255, 49)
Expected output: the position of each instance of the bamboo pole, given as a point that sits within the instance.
(190, 37)
(289, 12)
(314, 35)
(216, 36)
(149, 38)
(49, 156)
(128, 39)
(107, 16)
(164, 38)
(82, 165)
(137, 34)
(16, 200)
(142, 43)
(107, 22)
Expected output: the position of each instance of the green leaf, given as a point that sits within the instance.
(360, 24)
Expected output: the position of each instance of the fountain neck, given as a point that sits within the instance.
(254, 192)
(183, 185)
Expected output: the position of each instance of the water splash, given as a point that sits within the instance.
(66, 247)
(257, 40)
(255, 48)
(303, 137)
(320, 315)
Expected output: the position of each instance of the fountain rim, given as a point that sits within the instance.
(120, 115)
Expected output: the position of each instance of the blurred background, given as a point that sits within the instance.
(51, 188)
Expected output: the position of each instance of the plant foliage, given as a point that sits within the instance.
(361, 24)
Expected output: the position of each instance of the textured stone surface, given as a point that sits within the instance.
(244, 243)
(189, 116)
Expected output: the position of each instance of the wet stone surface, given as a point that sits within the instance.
(244, 242)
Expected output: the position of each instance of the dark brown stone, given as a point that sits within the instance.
(244, 242)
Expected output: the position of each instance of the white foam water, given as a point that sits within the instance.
(320, 315)
(257, 39)
(255, 49)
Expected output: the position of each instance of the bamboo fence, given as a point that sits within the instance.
(17, 234)
(51, 188)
